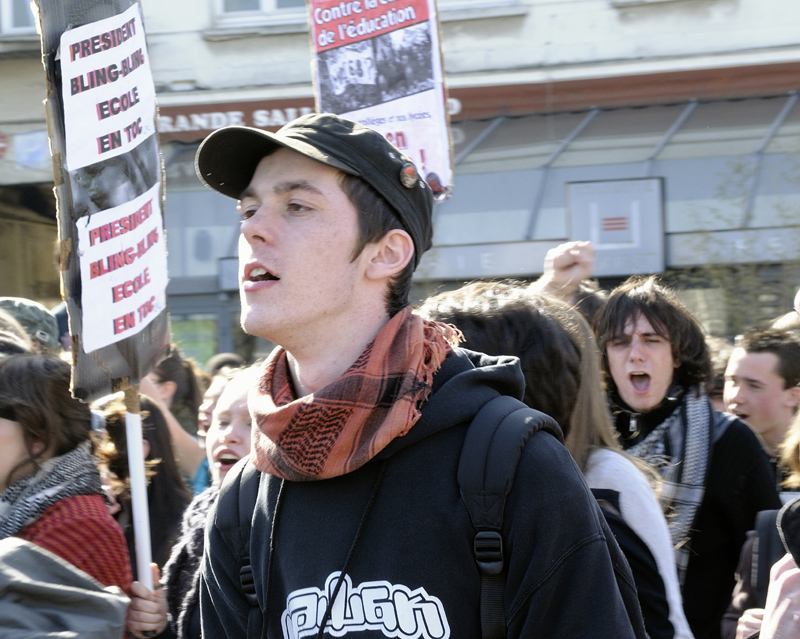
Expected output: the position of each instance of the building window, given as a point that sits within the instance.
(16, 17)
(240, 13)
(263, 6)
(634, 3)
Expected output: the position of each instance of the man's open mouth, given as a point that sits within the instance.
(260, 274)
(640, 381)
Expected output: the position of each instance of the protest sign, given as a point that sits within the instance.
(109, 186)
(122, 258)
(379, 62)
(107, 87)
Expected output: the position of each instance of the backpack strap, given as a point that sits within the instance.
(492, 449)
(768, 549)
(237, 501)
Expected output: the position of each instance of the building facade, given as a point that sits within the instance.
(667, 131)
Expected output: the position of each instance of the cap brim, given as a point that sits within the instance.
(227, 159)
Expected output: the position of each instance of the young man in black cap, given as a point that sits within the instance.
(359, 418)
(716, 476)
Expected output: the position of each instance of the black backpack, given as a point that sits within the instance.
(767, 549)
(492, 449)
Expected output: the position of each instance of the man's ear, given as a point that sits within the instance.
(390, 255)
(793, 396)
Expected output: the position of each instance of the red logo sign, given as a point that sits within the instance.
(3, 144)
(615, 224)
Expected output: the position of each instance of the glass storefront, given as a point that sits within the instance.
(731, 198)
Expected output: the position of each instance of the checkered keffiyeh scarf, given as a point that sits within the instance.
(344, 425)
(689, 433)
(68, 475)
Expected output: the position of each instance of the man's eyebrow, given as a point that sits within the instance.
(297, 185)
(285, 187)
(749, 380)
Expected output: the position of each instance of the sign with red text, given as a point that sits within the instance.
(107, 87)
(123, 261)
(109, 185)
(379, 62)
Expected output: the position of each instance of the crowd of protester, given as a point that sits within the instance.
(684, 438)
(689, 443)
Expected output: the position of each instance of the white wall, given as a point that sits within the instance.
(587, 37)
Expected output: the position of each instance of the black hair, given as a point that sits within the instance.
(34, 392)
(375, 219)
(783, 344)
(646, 297)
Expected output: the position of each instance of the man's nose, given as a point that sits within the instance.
(258, 226)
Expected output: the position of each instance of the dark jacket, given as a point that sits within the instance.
(739, 483)
(412, 572)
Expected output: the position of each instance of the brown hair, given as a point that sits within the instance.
(190, 385)
(34, 391)
(646, 297)
(783, 344)
(375, 219)
(167, 492)
(557, 352)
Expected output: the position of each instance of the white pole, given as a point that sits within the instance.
(141, 518)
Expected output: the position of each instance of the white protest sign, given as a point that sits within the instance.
(123, 264)
(107, 87)
(379, 62)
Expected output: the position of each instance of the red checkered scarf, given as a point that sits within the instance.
(347, 423)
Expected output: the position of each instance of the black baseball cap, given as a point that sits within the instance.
(227, 160)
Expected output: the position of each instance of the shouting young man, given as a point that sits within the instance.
(358, 528)
(716, 476)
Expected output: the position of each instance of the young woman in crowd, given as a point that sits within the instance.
(180, 385)
(50, 489)
(176, 386)
(202, 478)
(174, 611)
(562, 379)
(167, 492)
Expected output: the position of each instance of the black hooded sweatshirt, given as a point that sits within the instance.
(411, 572)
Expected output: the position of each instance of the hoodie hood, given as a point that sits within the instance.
(466, 381)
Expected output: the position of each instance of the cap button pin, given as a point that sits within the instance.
(408, 175)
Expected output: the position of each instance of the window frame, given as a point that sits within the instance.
(6, 18)
(267, 14)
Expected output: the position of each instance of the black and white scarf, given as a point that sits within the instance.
(688, 435)
(68, 475)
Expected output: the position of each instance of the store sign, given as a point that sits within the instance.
(190, 123)
(193, 122)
